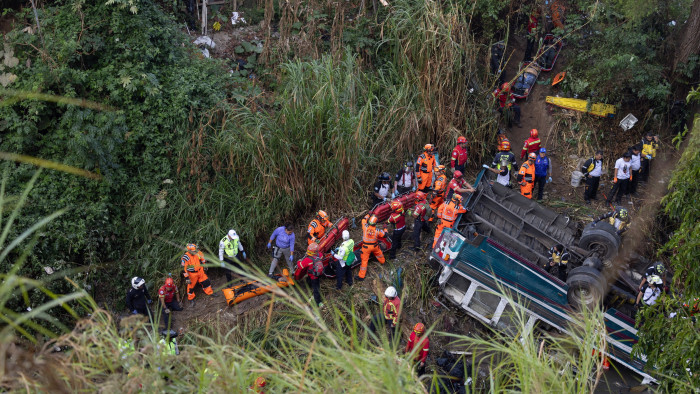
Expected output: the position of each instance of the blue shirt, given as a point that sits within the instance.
(282, 239)
(541, 166)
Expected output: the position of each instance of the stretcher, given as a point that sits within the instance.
(597, 109)
(526, 80)
(254, 288)
(548, 54)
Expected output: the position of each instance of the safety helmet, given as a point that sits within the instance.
(232, 234)
(543, 150)
(191, 247)
(372, 220)
(659, 267)
(655, 279)
(346, 235)
(440, 168)
(532, 156)
(428, 147)
(384, 176)
(505, 86)
(458, 174)
(312, 249)
(457, 197)
(260, 382)
(390, 292)
(461, 140)
(622, 213)
(505, 145)
(137, 282)
(322, 215)
(408, 164)
(420, 195)
(396, 206)
(419, 328)
(533, 133)
(169, 282)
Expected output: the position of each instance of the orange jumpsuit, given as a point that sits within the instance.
(526, 179)
(370, 246)
(424, 169)
(316, 230)
(438, 193)
(192, 264)
(447, 213)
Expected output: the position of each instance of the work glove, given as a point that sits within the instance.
(648, 157)
(167, 310)
(150, 302)
(269, 245)
(614, 180)
(485, 166)
(245, 256)
(134, 312)
(291, 258)
(549, 180)
(413, 189)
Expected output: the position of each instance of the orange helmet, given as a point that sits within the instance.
(372, 220)
(396, 206)
(312, 249)
(439, 168)
(420, 195)
(533, 133)
(260, 382)
(191, 247)
(458, 174)
(428, 147)
(322, 215)
(419, 328)
(457, 197)
(505, 86)
(532, 156)
(461, 140)
(505, 145)
(169, 282)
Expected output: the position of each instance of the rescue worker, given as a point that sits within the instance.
(193, 265)
(231, 251)
(310, 263)
(458, 185)
(506, 102)
(657, 269)
(137, 298)
(169, 300)
(502, 171)
(424, 168)
(526, 176)
(438, 189)
(531, 34)
(405, 180)
(592, 169)
(397, 219)
(167, 343)
(448, 213)
(317, 227)
(618, 218)
(459, 155)
(382, 189)
(650, 143)
(635, 165)
(543, 172)
(345, 257)
(649, 293)
(421, 213)
(370, 246)
(531, 145)
(558, 258)
(621, 182)
(421, 344)
(259, 385)
(504, 150)
(284, 246)
(391, 310)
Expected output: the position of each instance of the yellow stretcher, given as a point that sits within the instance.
(597, 109)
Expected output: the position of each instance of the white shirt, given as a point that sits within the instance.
(384, 190)
(623, 168)
(635, 162)
(597, 168)
(650, 295)
(406, 179)
(503, 179)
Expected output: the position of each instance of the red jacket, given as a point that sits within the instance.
(392, 309)
(305, 264)
(531, 145)
(454, 184)
(504, 97)
(398, 220)
(424, 346)
(167, 293)
(459, 156)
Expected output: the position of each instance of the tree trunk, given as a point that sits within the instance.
(690, 41)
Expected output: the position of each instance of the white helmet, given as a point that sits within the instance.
(390, 292)
(137, 282)
(232, 234)
(346, 235)
(655, 279)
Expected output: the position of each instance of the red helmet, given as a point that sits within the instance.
(260, 382)
(191, 247)
(533, 133)
(458, 174)
(396, 206)
(505, 145)
(419, 328)
(169, 282)
(373, 220)
(428, 147)
(505, 86)
(532, 156)
(461, 140)
(312, 249)
(420, 195)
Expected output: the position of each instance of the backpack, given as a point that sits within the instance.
(316, 268)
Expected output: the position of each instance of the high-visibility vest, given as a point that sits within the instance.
(440, 185)
(649, 148)
(192, 262)
(169, 347)
(426, 164)
(369, 235)
(450, 212)
(348, 247)
(230, 248)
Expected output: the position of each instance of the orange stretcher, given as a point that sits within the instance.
(254, 288)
